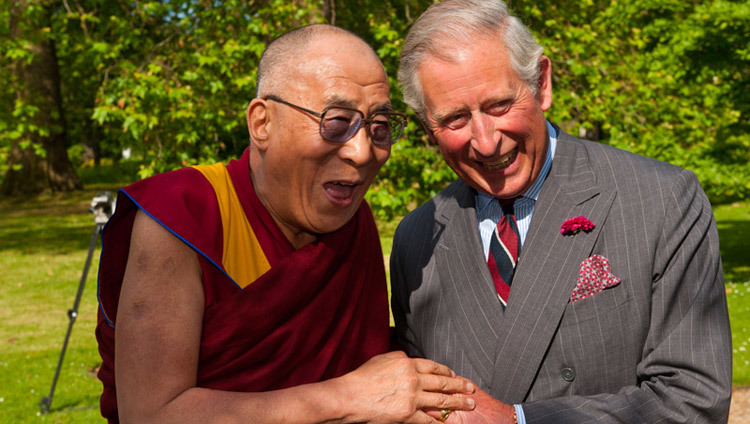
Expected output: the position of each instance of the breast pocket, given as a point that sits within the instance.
(598, 306)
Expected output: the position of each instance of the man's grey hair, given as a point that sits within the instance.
(279, 54)
(444, 28)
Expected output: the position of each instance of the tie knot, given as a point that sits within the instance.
(507, 205)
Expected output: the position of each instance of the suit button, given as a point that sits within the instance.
(568, 374)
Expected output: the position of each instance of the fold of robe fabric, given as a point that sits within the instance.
(274, 317)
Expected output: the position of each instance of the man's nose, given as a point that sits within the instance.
(358, 149)
(483, 139)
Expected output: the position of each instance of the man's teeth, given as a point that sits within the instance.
(344, 184)
(503, 162)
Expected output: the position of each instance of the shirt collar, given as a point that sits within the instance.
(532, 193)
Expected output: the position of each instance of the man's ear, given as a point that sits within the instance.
(430, 134)
(544, 84)
(258, 124)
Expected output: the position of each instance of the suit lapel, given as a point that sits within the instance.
(466, 284)
(548, 268)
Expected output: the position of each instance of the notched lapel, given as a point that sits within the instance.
(547, 270)
(466, 285)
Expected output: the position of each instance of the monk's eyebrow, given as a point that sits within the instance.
(340, 101)
(387, 107)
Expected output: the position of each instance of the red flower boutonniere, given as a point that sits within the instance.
(574, 225)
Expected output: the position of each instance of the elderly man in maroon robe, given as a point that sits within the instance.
(255, 292)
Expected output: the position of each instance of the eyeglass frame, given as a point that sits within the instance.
(363, 119)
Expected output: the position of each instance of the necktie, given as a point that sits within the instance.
(504, 248)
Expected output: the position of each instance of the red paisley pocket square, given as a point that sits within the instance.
(594, 276)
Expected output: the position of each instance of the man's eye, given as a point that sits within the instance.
(456, 121)
(499, 108)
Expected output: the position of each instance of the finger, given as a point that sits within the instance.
(429, 400)
(425, 366)
(421, 417)
(436, 414)
(439, 383)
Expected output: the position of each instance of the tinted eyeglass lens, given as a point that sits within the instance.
(382, 129)
(339, 124)
(396, 126)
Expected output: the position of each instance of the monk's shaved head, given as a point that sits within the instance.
(283, 54)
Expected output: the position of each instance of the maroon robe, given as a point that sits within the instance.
(317, 313)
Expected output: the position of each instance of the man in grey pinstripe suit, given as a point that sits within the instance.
(647, 341)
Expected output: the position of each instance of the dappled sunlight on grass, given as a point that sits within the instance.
(47, 233)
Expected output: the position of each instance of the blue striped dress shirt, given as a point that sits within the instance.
(489, 213)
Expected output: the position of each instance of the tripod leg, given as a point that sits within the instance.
(72, 315)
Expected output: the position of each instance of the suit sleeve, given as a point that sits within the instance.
(405, 338)
(685, 371)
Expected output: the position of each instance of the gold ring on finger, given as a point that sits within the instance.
(444, 414)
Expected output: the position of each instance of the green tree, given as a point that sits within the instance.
(171, 79)
(35, 127)
(663, 78)
(179, 84)
(168, 79)
(692, 59)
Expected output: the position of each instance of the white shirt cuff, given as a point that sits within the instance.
(519, 414)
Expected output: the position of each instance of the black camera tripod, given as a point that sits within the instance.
(102, 206)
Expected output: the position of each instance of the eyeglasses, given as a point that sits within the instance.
(338, 124)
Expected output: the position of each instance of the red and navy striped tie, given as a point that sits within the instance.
(504, 248)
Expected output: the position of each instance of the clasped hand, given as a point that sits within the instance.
(393, 388)
(488, 410)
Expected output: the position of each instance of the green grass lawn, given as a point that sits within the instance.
(43, 246)
(733, 222)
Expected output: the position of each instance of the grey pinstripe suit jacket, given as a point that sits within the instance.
(655, 348)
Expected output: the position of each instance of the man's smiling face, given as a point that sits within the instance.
(488, 123)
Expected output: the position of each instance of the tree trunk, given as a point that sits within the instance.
(329, 11)
(38, 84)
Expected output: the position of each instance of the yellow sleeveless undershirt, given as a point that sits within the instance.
(243, 257)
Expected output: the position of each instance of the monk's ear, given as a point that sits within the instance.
(258, 123)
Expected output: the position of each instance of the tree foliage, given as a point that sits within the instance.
(37, 158)
(171, 79)
(663, 78)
